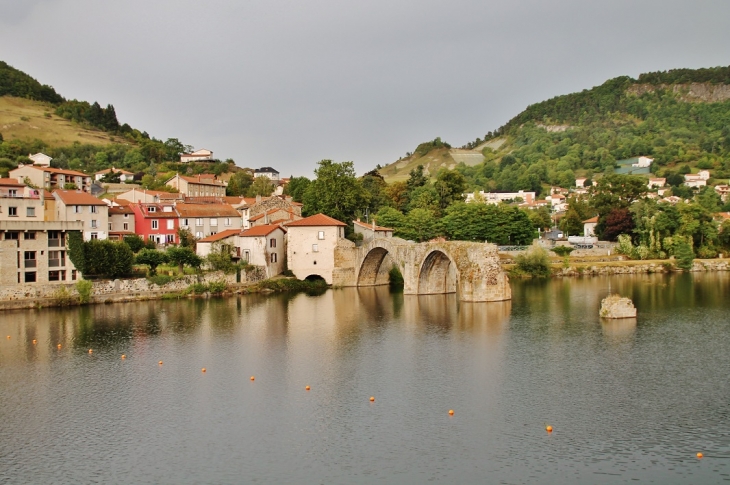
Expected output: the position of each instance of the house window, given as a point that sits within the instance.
(93, 223)
(228, 221)
(110, 226)
(30, 277)
(186, 223)
(13, 211)
(126, 226)
(320, 235)
(199, 234)
(155, 224)
(54, 259)
(273, 257)
(29, 235)
(199, 222)
(94, 209)
(13, 193)
(246, 255)
(77, 209)
(315, 248)
(30, 261)
(11, 235)
(55, 239)
(73, 275)
(152, 209)
(30, 211)
(94, 235)
(213, 222)
(126, 216)
(151, 237)
(272, 242)
(170, 239)
(54, 276)
(170, 224)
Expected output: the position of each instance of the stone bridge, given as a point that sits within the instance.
(471, 269)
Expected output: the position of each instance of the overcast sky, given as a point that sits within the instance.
(287, 83)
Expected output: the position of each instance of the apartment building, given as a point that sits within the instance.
(75, 205)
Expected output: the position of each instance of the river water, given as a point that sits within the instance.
(628, 401)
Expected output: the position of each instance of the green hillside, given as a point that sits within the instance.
(680, 118)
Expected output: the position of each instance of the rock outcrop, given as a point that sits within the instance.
(615, 306)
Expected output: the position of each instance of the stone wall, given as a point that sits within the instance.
(31, 295)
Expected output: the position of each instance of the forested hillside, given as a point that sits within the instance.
(584, 134)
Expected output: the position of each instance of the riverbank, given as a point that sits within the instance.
(610, 266)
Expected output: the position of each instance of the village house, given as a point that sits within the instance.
(697, 180)
(497, 197)
(198, 186)
(40, 159)
(202, 220)
(121, 221)
(76, 205)
(311, 244)
(35, 252)
(657, 183)
(642, 162)
(201, 155)
(51, 178)
(124, 176)
(269, 172)
(723, 191)
(370, 231)
(262, 210)
(20, 202)
(149, 196)
(156, 222)
(557, 202)
(589, 226)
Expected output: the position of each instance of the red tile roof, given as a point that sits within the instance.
(11, 182)
(220, 235)
(591, 220)
(58, 170)
(206, 210)
(120, 210)
(258, 231)
(76, 197)
(317, 220)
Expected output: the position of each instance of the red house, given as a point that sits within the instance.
(156, 221)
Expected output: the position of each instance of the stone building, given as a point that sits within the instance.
(198, 186)
(51, 178)
(311, 244)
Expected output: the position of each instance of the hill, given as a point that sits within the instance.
(679, 118)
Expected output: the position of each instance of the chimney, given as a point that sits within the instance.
(258, 199)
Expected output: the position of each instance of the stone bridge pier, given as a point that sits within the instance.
(470, 269)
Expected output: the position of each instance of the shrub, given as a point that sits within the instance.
(160, 279)
(217, 287)
(562, 250)
(84, 288)
(62, 297)
(198, 288)
(395, 278)
(684, 253)
(134, 242)
(220, 259)
(535, 262)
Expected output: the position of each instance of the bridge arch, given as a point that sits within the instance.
(437, 274)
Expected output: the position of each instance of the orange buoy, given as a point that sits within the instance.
(372, 398)
(549, 428)
(700, 455)
(35, 341)
(451, 412)
(91, 351)
(306, 388)
(124, 356)
(253, 378)
(8, 337)
(59, 346)
(203, 369)
(160, 362)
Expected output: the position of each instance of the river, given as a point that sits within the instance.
(630, 400)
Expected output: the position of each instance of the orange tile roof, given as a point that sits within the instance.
(258, 231)
(120, 210)
(273, 211)
(370, 226)
(203, 181)
(591, 220)
(11, 182)
(317, 220)
(75, 197)
(220, 235)
(206, 210)
(58, 170)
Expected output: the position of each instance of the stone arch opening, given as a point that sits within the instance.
(375, 267)
(438, 274)
(314, 277)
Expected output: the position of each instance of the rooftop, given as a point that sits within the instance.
(258, 231)
(77, 197)
(317, 220)
(220, 235)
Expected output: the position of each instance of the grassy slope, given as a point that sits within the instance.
(53, 130)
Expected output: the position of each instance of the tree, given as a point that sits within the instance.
(239, 183)
(186, 238)
(397, 194)
(390, 217)
(134, 242)
(424, 197)
(335, 192)
(416, 178)
(618, 221)
(296, 188)
(419, 225)
(374, 185)
(724, 236)
(262, 186)
(152, 258)
(450, 186)
(572, 222)
(183, 257)
(219, 258)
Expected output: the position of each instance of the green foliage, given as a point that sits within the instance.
(426, 147)
(84, 288)
(419, 225)
(562, 250)
(724, 235)
(395, 278)
(499, 224)
(262, 186)
(152, 258)
(290, 284)
(134, 242)
(217, 287)
(102, 257)
(684, 253)
(296, 188)
(16, 83)
(160, 279)
(335, 192)
(240, 183)
(416, 179)
(183, 257)
(75, 245)
(219, 258)
(199, 288)
(63, 297)
(186, 238)
(534, 262)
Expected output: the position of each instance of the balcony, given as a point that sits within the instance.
(30, 263)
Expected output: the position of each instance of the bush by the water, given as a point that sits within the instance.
(535, 262)
(395, 278)
(563, 250)
(292, 284)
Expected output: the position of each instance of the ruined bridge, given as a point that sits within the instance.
(471, 269)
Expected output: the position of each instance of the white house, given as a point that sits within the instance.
(589, 226)
(201, 155)
(41, 159)
(370, 231)
(657, 183)
(642, 162)
(264, 246)
(269, 172)
(311, 244)
(77, 205)
(497, 197)
(558, 202)
(124, 176)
